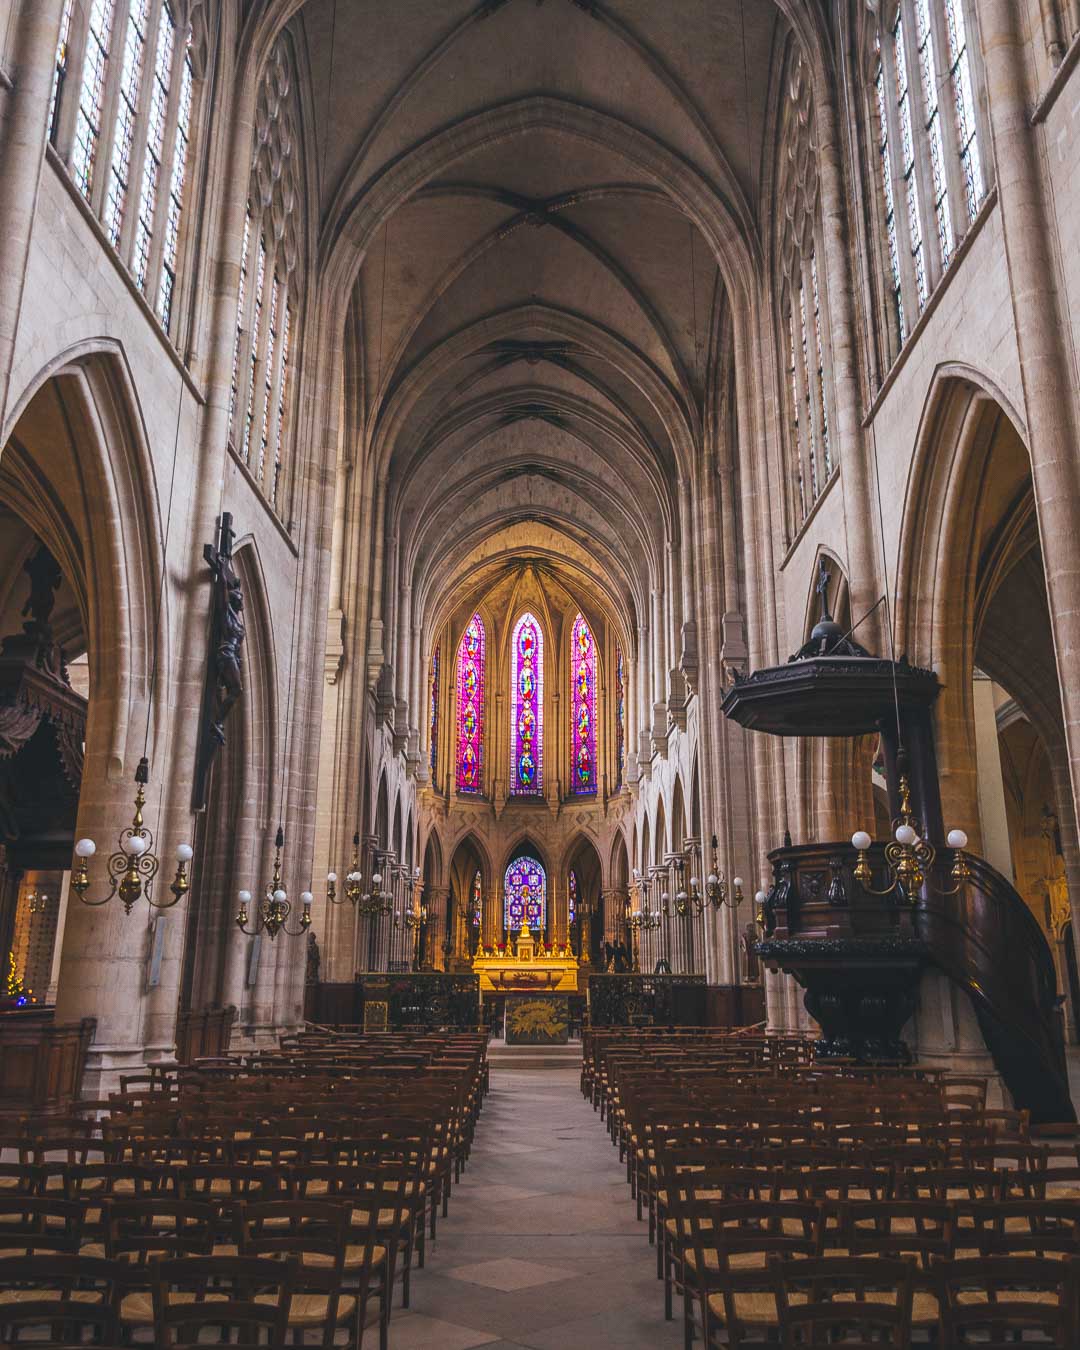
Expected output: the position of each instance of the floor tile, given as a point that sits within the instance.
(414, 1331)
(509, 1274)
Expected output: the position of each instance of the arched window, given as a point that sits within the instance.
(120, 119)
(470, 707)
(582, 708)
(434, 718)
(527, 709)
(927, 131)
(571, 896)
(803, 322)
(525, 895)
(620, 716)
(260, 397)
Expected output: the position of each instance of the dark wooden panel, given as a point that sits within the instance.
(41, 1064)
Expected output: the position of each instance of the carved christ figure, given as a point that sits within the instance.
(228, 639)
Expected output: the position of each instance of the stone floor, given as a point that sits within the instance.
(541, 1248)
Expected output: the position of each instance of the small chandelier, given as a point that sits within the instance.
(134, 865)
(274, 907)
(353, 879)
(376, 901)
(417, 918)
(716, 887)
(36, 902)
(908, 856)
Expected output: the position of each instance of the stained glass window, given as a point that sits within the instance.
(175, 204)
(124, 135)
(583, 707)
(91, 98)
(890, 203)
(928, 69)
(470, 703)
(811, 434)
(795, 445)
(527, 709)
(620, 716)
(960, 70)
(434, 719)
(820, 368)
(283, 394)
(477, 900)
(907, 159)
(526, 895)
(571, 896)
(256, 330)
(235, 383)
(268, 376)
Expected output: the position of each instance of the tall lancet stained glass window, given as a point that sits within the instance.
(477, 900)
(470, 706)
(571, 896)
(527, 709)
(525, 895)
(583, 708)
(434, 711)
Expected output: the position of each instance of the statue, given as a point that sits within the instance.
(229, 632)
(35, 643)
(45, 578)
(748, 942)
(225, 675)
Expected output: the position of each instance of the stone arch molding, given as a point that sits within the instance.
(946, 438)
(114, 533)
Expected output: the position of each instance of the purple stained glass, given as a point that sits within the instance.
(583, 707)
(526, 895)
(527, 709)
(571, 890)
(470, 702)
(434, 710)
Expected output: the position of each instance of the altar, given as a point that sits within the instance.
(526, 966)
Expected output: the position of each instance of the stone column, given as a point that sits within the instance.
(24, 132)
(438, 897)
(996, 848)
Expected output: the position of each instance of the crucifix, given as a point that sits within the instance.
(225, 664)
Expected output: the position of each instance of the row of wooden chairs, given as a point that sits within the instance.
(800, 1204)
(202, 1196)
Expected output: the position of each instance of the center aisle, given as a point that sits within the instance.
(541, 1248)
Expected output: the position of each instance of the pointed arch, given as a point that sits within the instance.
(471, 660)
(678, 816)
(525, 894)
(583, 711)
(382, 814)
(527, 707)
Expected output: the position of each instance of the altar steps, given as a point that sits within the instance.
(517, 1057)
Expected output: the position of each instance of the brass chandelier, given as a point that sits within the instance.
(133, 866)
(274, 907)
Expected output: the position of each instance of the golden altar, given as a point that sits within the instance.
(526, 967)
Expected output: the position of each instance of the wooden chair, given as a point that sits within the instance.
(859, 1301)
(222, 1294)
(316, 1236)
(993, 1302)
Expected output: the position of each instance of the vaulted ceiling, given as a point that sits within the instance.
(532, 321)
